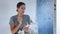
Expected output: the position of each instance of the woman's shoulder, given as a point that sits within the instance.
(26, 15)
(14, 16)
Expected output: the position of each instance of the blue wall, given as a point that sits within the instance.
(45, 10)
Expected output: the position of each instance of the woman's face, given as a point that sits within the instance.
(21, 9)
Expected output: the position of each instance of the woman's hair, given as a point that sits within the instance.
(19, 4)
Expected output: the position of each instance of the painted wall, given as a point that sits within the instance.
(45, 12)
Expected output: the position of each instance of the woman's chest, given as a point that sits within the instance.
(24, 21)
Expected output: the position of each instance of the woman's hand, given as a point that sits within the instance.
(19, 19)
(26, 28)
(15, 29)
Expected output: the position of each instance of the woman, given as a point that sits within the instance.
(19, 21)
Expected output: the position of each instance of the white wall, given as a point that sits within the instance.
(58, 17)
(8, 9)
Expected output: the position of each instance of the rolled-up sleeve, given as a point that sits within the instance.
(11, 20)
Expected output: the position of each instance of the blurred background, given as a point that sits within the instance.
(46, 16)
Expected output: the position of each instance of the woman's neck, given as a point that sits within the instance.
(20, 15)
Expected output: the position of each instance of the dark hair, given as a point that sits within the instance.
(19, 4)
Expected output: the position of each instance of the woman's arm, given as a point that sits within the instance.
(14, 29)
